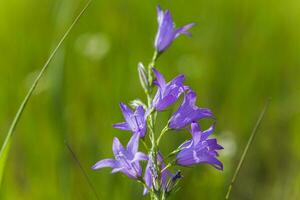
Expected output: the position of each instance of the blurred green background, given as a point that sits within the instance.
(241, 53)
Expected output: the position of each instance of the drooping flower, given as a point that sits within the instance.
(151, 174)
(167, 93)
(135, 121)
(199, 149)
(126, 160)
(166, 30)
(188, 112)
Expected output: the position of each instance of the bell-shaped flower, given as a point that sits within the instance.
(188, 112)
(166, 30)
(167, 93)
(126, 160)
(199, 149)
(135, 121)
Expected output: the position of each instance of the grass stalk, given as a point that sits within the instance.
(246, 149)
(82, 170)
(7, 142)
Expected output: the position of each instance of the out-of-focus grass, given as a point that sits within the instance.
(241, 52)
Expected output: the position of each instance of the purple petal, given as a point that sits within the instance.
(122, 126)
(160, 14)
(148, 177)
(196, 132)
(139, 156)
(140, 112)
(204, 113)
(130, 173)
(183, 30)
(133, 144)
(127, 112)
(117, 147)
(185, 158)
(178, 80)
(159, 78)
(165, 102)
(208, 132)
(116, 170)
(213, 145)
(105, 163)
(215, 162)
(186, 144)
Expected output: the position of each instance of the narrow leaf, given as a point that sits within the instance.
(6, 145)
(250, 140)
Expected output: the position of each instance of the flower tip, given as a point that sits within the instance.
(158, 8)
(121, 104)
(94, 167)
(155, 71)
(221, 168)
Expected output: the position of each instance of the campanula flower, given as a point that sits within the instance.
(166, 30)
(151, 174)
(188, 112)
(126, 160)
(135, 121)
(200, 149)
(167, 93)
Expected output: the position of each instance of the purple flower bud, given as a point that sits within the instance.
(126, 160)
(167, 93)
(166, 30)
(188, 112)
(135, 121)
(151, 174)
(200, 149)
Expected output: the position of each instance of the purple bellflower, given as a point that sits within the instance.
(188, 112)
(166, 30)
(135, 121)
(199, 149)
(167, 93)
(151, 174)
(126, 160)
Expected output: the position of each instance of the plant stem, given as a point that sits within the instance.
(155, 192)
(250, 140)
(162, 133)
(6, 144)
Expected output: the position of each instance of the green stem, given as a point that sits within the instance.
(162, 133)
(166, 167)
(156, 191)
(6, 144)
(150, 73)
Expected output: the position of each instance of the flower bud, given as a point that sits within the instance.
(143, 76)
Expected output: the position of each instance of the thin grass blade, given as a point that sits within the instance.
(250, 141)
(82, 170)
(6, 145)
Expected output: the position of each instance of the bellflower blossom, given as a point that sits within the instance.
(135, 121)
(200, 149)
(166, 30)
(167, 93)
(188, 112)
(126, 160)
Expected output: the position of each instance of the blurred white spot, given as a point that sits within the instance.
(227, 141)
(93, 45)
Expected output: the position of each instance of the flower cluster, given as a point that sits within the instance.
(158, 180)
